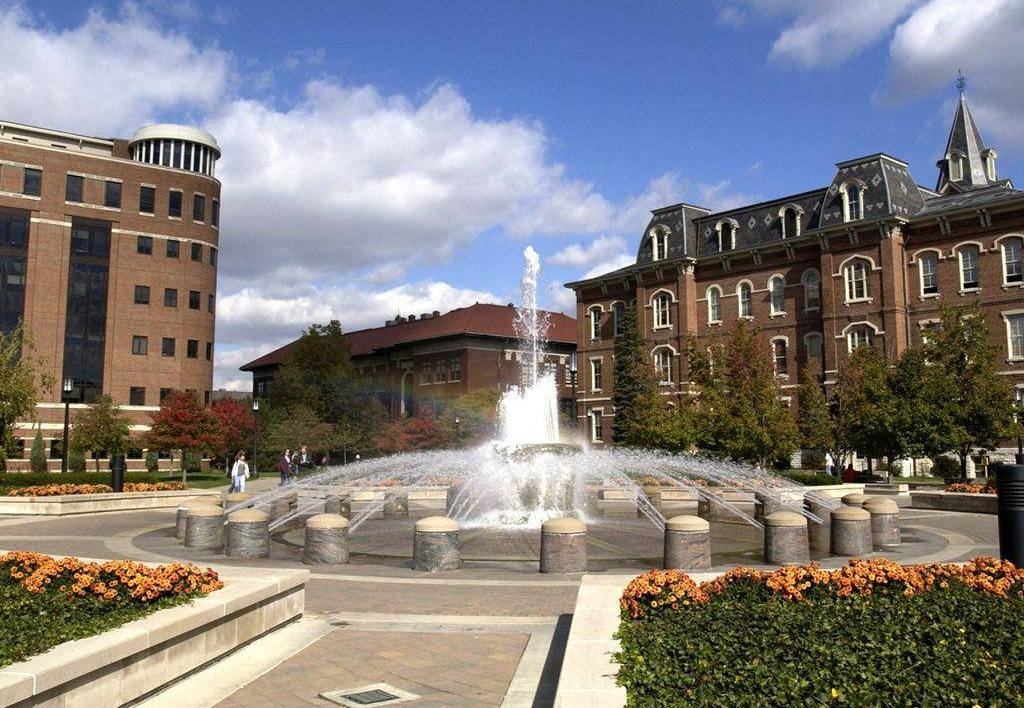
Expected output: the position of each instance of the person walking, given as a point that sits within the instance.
(239, 473)
(284, 467)
(829, 463)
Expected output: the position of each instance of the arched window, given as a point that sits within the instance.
(662, 310)
(596, 432)
(812, 290)
(663, 365)
(1012, 270)
(745, 294)
(726, 234)
(812, 345)
(714, 304)
(595, 322)
(856, 276)
(790, 223)
(777, 286)
(968, 256)
(989, 156)
(618, 312)
(779, 356)
(859, 336)
(853, 197)
(928, 268)
(659, 244)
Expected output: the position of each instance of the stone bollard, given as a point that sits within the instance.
(851, 531)
(819, 534)
(435, 545)
(248, 534)
(855, 499)
(563, 546)
(179, 522)
(204, 527)
(336, 505)
(885, 523)
(687, 543)
(282, 505)
(236, 498)
(326, 540)
(785, 538)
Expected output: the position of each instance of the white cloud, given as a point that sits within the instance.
(578, 254)
(720, 197)
(49, 75)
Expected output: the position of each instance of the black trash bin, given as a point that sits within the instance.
(117, 473)
(1011, 513)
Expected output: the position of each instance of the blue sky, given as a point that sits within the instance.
(386, 157)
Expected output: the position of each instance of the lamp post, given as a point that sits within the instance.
(255, 436)
(66, 389)
(457, 421)
(573, 372)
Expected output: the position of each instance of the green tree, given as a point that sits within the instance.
(23, 379)
(101, 427)
(974, 402)
(815, 425)
(37, 455)
(291, 427)
(633, 379)
(878, 417)
(741, 412)
(152, 461)
(76, 460)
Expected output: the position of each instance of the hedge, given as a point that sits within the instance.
(13, 480)
(810, 479)
(872, 633)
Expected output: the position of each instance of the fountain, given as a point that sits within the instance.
(500, 493)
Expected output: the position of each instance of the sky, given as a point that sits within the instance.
(396, 157)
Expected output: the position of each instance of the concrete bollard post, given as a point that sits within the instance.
(326, 540)
(885, 523)
(435, 545)
(785, 538)
(235, 498)
(687, 543)
(248, 534)
(282, 505)
(204, 527)
(819, 534)
(563, 546)
(335, 504)
(851, 531)
(855, 499)
(179, 522)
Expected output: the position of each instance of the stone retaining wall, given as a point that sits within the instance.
(91, 503)
(954, 501)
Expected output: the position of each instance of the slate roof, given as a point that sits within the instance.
(487, 320)
(965, 140)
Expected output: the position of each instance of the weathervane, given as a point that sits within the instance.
(961, 82)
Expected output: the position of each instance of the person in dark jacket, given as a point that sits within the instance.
(284, 467)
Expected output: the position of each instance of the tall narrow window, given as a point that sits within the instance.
(112, 194)
(1012, 271)
(812, 291)
(197, 252)
(745, 295)
(167, 346)
(147, 200)
(853, 202)
(198, 207)
(812, 343)
(928, 265)
(663, 365)
(73, 192)
(659, 244)
(968, 267)
(86, 319)
(662, 310)
(618, 313)
(725, 236)
(32, 184)
(790, 224)
(779, 356)
(174, 204)
(714, 304)
(215, 213)
(778, 291)
(1015, 334)
(956, 168)
(595, 322)
(13, 261)
(856, 274)
(595, 374)
(596, 434)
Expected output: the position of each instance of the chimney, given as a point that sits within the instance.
(435, 314)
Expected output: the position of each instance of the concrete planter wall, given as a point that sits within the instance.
(955, 501)
(91, 503)
(617, 501)
(140, 657)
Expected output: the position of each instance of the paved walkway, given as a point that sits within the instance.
(488, 634)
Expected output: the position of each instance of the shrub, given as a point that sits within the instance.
(190, 461)
(963, 488)
(78, 599)
(871, 633)
(152, 461)
(810, 479)
(52, 490)
(812, 460)
(76, 461)
(945, 467)
(17, 480)
(37, 454)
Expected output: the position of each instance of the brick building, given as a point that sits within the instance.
(108, 252)
(866, 260)
(418, 365)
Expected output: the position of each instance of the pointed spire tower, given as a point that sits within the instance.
(967, 164)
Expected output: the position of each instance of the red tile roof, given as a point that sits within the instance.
(480, 319)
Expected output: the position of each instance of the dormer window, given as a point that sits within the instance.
(790, 217)
(726, 229)
(659, 244)
(956, 167)
(989, 156)
(853, 197)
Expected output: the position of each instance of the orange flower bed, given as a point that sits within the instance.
(124, 581)
(52, 490)
(674, 589)
(964, 488)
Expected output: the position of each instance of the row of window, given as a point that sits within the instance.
(440, 372)
(171, 298)
(144, 247)
(181, 154)
(75, 188)
(1010, 248)
(140, 347)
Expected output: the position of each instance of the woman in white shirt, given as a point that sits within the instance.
(239, 473)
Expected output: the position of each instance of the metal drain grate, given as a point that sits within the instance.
(378, 694)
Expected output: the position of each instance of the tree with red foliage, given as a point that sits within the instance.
(234, 426)
(416, 433)
(183, 423)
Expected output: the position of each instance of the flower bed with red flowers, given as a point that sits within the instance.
(964, 488)
(53, 490)
(45, 601)
(871, 633)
